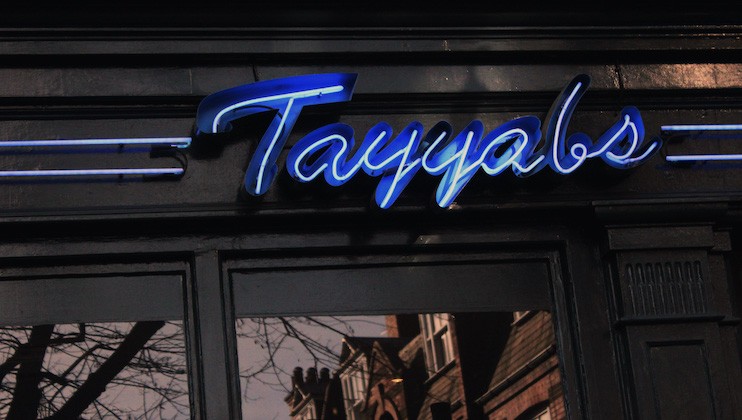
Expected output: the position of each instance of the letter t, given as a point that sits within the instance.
(287, 97)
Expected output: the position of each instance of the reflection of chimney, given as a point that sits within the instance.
(298, 377)
(324, 375)
(406, 325)
(312, 376)
(440, 411)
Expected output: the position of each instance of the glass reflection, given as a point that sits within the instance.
(407, 366)
(270, 348)
(94, 370)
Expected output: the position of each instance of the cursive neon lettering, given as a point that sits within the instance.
(522, 144)
(286, 98)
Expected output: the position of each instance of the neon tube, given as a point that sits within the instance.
(694, 158)
(703, 127)
(285, 98)
(92, 172)
(179, 142)
(396, 159)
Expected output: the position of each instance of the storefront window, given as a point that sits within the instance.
(395, 335)
(286, 359)
(373, 366)
(94, 370)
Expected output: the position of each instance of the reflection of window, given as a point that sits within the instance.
(354, 388)
(537, 412)
(438, 342)
(307, 413)
(518, 315)
(544, 415)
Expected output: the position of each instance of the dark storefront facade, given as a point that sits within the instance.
(623, 258)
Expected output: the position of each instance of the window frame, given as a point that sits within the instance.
(354, 374)
(438, 340)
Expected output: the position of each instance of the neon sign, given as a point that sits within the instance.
(524, 145)
(159, 142)
(694, 130)
(286, 97)
(521, 145)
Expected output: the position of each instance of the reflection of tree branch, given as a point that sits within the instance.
(10, 363)
(97, 381)
(25, 402)
(74, 351)
(77, 337)
(270, 353)
(12, 342)
(98, 406)
(55, 379)
(278, 336)
(326, 325)
(310, 344)
(82, 357)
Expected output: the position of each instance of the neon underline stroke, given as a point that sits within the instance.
(691, 158)
(703, 127)
(179, 142)
(90, 172)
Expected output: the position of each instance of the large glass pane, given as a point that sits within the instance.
(273, 353)
(365, 367)
(131, 370)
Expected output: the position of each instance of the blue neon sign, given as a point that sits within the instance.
(286, 97)
(159, 142)
(693, 130)
(522, 145)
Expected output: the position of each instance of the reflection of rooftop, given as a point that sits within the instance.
(527, 373)
(500, 369)
(390, 347)
(527, 343)
(315, 397)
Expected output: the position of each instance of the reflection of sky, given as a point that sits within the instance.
(292, 345)
(153, 385)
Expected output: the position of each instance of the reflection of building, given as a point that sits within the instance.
(377, 380)
(314, 397)
(526, 383)
(446, 366)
